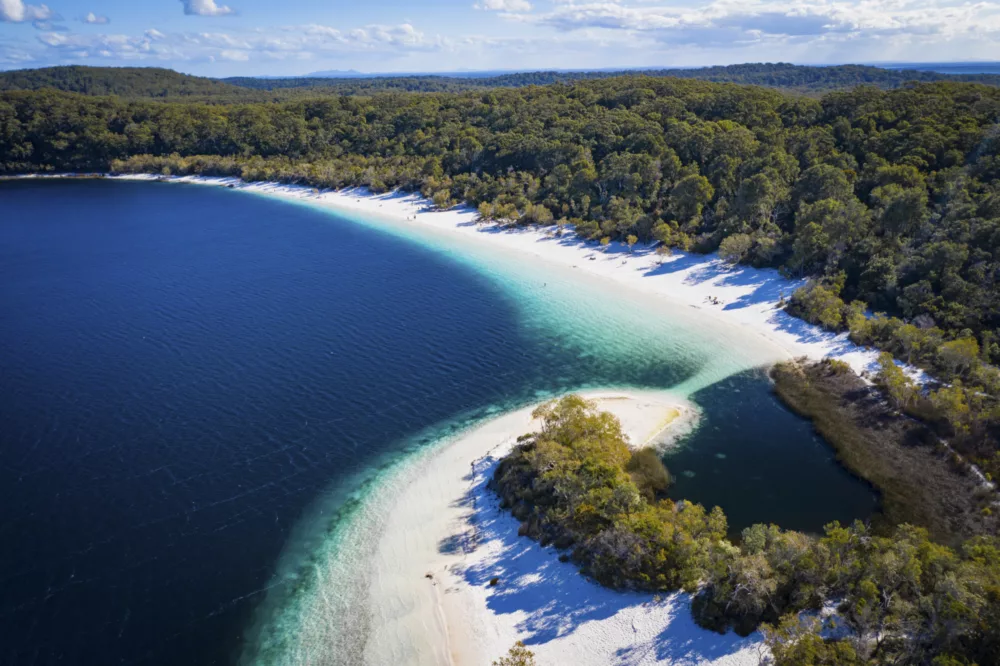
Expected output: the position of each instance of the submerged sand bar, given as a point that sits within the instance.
(445, 538)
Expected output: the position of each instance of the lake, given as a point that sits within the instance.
(190, 376)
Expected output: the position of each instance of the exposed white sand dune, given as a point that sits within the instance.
(445, 538)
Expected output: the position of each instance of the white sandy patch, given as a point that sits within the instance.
(748, 298)
(445, 538)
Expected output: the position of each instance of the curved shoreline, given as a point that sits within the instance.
(445, 537)
(455, 617)
(748, 307)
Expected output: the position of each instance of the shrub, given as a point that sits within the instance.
(518, 655)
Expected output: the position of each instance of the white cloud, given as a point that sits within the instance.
(504, 5)
(566, 34)
(234, 56)
(730, 23)
(15, 11)
(308, 42)
(206, 8)
(94, 19)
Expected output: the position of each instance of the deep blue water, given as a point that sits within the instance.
(184, 371)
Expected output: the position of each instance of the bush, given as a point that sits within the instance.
(648, 473)
(519, 655)
(734, 248)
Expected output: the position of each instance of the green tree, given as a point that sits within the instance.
(519, 655)
(819, 304)
(902, 390)
(734, 248)
(798, 641)
(689, 197)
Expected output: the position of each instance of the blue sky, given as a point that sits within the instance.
(275, 37)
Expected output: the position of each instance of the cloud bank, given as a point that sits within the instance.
(726, 22)
(504, 5)
(300, 42)
(556, 34)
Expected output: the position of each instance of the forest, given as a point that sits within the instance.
(138, 82)
(901, 598)
(888, 200)
(785, 76)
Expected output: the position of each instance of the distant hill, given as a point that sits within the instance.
(773, 75)
(168, 85)
(145, 82)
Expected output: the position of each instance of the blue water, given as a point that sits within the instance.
(199, 384)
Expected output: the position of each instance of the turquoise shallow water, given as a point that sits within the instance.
(206, 389)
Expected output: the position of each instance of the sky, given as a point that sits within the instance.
(295, 37)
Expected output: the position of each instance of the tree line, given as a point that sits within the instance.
(902, 599)
(168, 85)
(785, 76)
(134, 82)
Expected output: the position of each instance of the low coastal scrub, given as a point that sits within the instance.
(575, 484)
(518, 655)
(966, 410)
(918, 479)
(903, 598)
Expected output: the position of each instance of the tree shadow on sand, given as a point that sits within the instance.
(553, 600)
(683, 643)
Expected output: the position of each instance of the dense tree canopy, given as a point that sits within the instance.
(164, 84)
(149, 82)
(773, 75)
(903, 598)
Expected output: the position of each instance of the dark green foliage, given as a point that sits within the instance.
(903, 598)
(134, 82)
(772, 75)
(648, 473)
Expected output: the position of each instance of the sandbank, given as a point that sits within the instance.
(445, 538)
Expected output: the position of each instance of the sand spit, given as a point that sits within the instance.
(445, 538)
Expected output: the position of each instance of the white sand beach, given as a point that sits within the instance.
(743, 299)
(445, 538)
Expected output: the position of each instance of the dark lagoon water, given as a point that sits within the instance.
(198, 385)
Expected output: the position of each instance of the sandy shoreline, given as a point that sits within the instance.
(442, 521)
(445, 537)
(748, 298)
